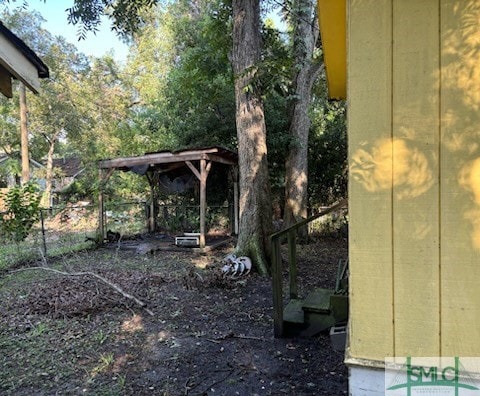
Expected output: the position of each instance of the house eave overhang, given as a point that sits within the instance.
(333, 23)
(18, 61)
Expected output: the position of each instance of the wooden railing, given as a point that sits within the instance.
(277, 284)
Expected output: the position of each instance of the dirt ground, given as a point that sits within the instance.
(74, 335)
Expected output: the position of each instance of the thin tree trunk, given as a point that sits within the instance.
(255, 203)
(24, 135)
(306, 70)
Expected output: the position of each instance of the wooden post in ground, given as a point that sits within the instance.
(101, 203)
(203, 201)
(202, 177)
(277, 288)
(235, 200)
(24, 135)
(101, 209)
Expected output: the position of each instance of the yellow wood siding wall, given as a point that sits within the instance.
(370, 205)
(460, 177)
(415, 92)
(414, 152)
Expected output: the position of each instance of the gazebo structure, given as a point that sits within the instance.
(152, 165)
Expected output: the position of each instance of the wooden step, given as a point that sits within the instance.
(318, 315)
(318, 301)
(293, 318)
(293, 312)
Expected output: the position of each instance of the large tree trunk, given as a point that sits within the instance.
(306, 71)
(255, 204)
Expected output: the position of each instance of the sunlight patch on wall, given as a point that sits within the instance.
(461, 43)
(469, 179)
(411, 173)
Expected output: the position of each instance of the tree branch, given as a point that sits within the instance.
(315, 70)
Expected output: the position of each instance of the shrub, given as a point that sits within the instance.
(22, 211)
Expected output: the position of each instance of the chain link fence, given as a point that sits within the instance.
(63, 230)
(60, 230)
(182, 218)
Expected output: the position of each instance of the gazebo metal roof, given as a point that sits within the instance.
(163, 160)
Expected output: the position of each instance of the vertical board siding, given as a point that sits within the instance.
(369, 123)
(414, 154)
(460, 182)
(415, 177)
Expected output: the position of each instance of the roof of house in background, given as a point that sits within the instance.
(16, 156)
(70, 167)
(19, 61)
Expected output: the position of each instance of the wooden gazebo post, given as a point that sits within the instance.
(203, 200)
(152, 223)
(202, 177)
(101, 208)
(101, 202)
(235, 200)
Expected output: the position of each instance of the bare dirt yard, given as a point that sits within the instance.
(208, 335)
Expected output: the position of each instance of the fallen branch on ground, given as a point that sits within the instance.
(94, 275)
(187, 388)
(233, 335)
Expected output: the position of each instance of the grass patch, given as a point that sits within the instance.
(12, 254)
(65, 355)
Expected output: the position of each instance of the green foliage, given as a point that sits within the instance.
(22, 211)
(175, 91)
(126, 14)
(328, 166)
(8, 168)
(200, 90)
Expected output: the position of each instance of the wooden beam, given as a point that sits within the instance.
(162, 158)
(101, 209)
(202, 176)
(107, 175)
(203, 200)
(152, 177)
(194, 170)
(101, 202)
(151, 218)
(235, 201)
(5, 82)
(222, 160)
(24, 134)
(277, 288)
(169, 167)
